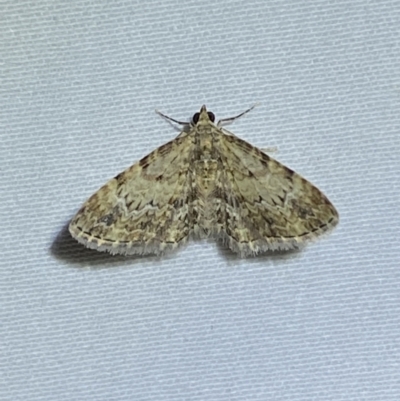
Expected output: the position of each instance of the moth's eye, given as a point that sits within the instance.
(211, 116)
(195, 118)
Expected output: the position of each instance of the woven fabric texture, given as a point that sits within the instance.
(79, 84)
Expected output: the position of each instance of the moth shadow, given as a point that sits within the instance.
(68, 249)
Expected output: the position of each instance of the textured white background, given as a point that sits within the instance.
(79, 82)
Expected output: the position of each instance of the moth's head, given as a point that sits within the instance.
(203, 116)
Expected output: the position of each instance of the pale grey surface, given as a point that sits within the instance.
(79, 85)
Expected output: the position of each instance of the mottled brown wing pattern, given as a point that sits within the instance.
(267, 205)
(145, 209)
(207, 182)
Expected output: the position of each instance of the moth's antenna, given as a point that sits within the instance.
(231, 119)
(172, 119)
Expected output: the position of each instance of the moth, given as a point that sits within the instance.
(206, 182)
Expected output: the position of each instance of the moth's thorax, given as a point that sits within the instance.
(206, 141)
(205, 163)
